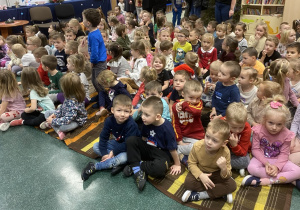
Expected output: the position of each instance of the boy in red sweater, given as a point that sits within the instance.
(186, 117)
(38, 53)
(240, 134)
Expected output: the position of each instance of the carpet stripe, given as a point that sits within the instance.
(177, 183)
(90, 145)
(262, 197)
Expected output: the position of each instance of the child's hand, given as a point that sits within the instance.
(213, 114)
(182, 143)
(127, 72)
(175, 9)
(257, 37)
(50, 118)
(264, 53)
(273, 170)
(175, 169)
(208, 184)
(108, 156)
(221, 162)
(179, 106)
(241, 63)
(8, 67)
(233, 140)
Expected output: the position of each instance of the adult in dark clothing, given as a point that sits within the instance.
(224, 10)
(129, 6)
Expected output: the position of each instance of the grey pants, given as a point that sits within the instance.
(97, 68)
(186, 149)
(239, 162)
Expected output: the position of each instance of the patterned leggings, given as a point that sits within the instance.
(9, 116)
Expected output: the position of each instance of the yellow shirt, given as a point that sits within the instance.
(258, 66)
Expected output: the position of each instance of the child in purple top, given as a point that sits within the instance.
(3, 52)
(271, 148)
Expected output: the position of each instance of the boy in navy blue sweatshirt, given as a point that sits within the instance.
(226, 90)
(152, 153)
(91, 19)
(60, 54)
(113, 152)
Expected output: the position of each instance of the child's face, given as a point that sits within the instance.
(292, 37)
(274, 123)
(164, 35)
(192, 96)
(220, 33)
(179, 82)
(213, 141)
(59, 44)
(44, 67)
(104, 36)
(158, 15)
(149, 93)
(29, 33)
(248, 60)
(198, 25)
(292, 52)
(224, 74)
(284, 27)
(135, 53)
(260, 31)
(235, 127)
(74, 28)
(157, 64)
(117, 11)
(30, 46)
(210, 29)
(38, 60)
(298, 28)
(70, 36)
(229, 28)
(50, 29)
(70, 65)
(181, 38)
(101, 26)
(291, 73)
(193, 36)
(244, 78)
(176, 32)
(168, 52)
(270, 47)
(68, 51)
(145, 17)
(239, 31)
(214, 75)
(51, 42)
(260, 91)
(206, 44)
(148, 115)
(187, 27)
(121, 113)
(224, 46)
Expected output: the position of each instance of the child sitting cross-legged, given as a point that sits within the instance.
(153, 153)
(240, 133)
(186, 117)
(113, 151)
(209, 166)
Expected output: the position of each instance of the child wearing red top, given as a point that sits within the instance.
(38, 53)
(240, 134)
(186, 117)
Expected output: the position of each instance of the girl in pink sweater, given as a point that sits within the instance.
(271, 148)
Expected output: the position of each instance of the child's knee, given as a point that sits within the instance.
(131, 140)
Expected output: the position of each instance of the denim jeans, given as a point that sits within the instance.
(120, 158)
(177, 14)
(195, 10)
(222, 12)
(63, 128)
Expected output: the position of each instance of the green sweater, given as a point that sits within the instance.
(54, 86)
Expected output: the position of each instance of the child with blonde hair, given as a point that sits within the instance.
(162, 34)
(266, 89)
(76, 27)
(103, 26)
(12, 102)
(192, 60)
(14, 61)
(258, 40)
(294, 76)
(221, 31)
(247, 82)
(271, 148)
(31, 30)
(269, 53)
(39, 99)
(287, 37)
(167, 47)
(71, 47)
(71, 114)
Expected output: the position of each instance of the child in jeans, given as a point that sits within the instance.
(113, 151)
(209, 166)
(152, 153)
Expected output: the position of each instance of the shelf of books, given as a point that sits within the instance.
(268, 11)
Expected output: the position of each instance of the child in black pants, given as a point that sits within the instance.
(153, 153)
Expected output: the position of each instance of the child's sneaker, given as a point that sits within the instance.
(44, 125)
(88, 171)
(140, 179)
(242, 172)
(102, 112)
(4, 126)
(127, 171)
(229, 198)
(189, 196)
(117, 169)
(61, 135)
(16, 122)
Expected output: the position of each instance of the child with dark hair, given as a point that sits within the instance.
(123, 41)
(60, 54)
(250, 59)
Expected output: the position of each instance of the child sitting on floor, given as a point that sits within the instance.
(209, 166)
(113, 151)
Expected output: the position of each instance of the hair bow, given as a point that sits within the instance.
(275, 104)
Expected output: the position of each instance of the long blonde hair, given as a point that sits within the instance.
(71, 85)
(78, 61)
(106, 78)
(8, 84)
(31, 80)
(278, 69)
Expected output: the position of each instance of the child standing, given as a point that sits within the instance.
(240, 134)
(186, 117)
(39, 99)
(271, 147)
(60, 54)
(119, 15)
(221, 32)
(12, 102)
(71, 114)
(247, 82)
(240, 30)
(96, 47)
(146, 19)
(230, 50)
(181, 47)
(209, 166)
(159, 63)
(152, 154)
(269, 53)
(166, 48)
(113, 151)
(207, 53)
(250, 60)
(258, 40)
(288, 37)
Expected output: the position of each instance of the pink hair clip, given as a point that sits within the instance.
(275, 104)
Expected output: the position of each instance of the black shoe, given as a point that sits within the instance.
(117, 169)
(127, 171)
(140, 179)
(88, 171)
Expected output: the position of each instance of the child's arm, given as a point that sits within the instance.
(293, 98)
(32, 107)
(137, 96)
(3, 107)
(194, 110)
(166, 85)
(296, 121)
(173, 54)
(253, 41)
(176, 168)
(256, 150)
(214, 57)
(225, 166)
(170, 107)
(176, 125)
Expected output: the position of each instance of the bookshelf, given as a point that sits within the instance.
(268, 11)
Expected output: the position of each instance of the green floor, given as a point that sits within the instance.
(39, 172)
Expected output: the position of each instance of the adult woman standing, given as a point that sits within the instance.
(224, 10)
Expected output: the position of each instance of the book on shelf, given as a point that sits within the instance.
(253, 2)
(249, 11)
(274, 1)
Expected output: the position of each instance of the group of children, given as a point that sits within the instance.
(205, 98)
